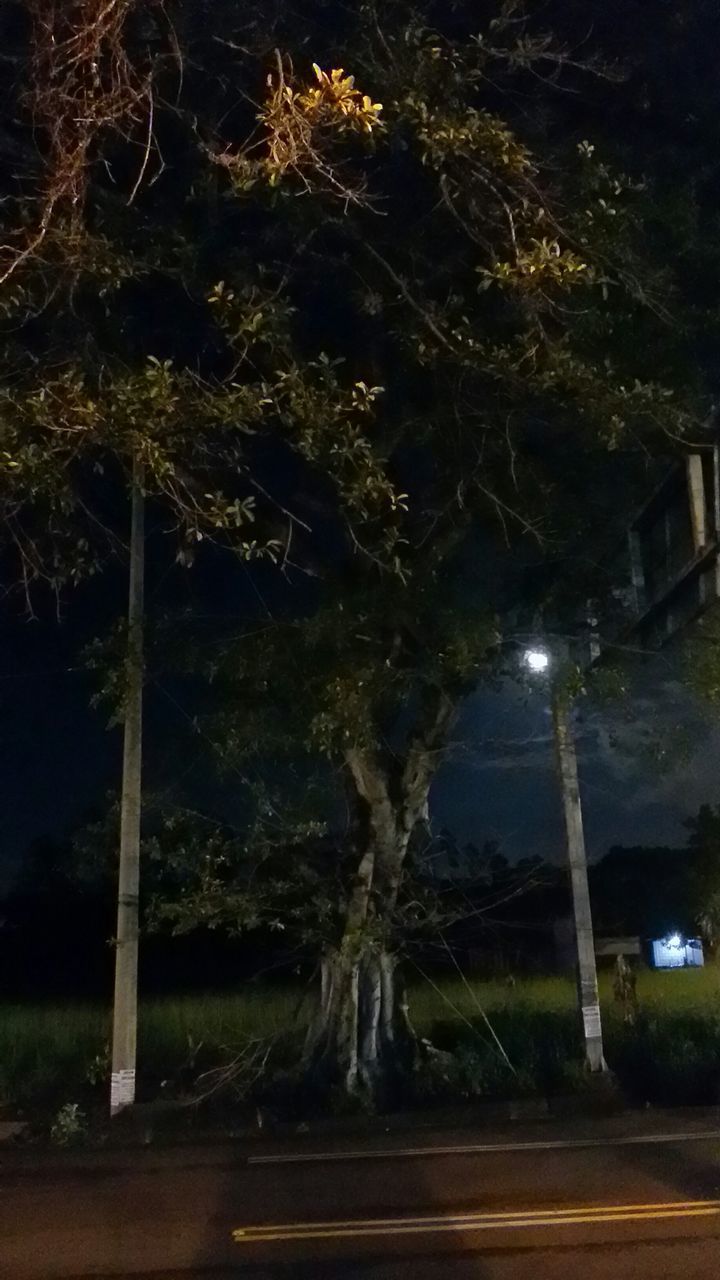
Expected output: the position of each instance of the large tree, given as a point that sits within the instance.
(421, 339)
(494, 297)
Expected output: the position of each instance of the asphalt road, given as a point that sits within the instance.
(600, 1204)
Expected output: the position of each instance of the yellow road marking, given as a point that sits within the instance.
(477, 1221)
(470, 1214)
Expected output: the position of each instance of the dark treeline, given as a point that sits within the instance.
(488, 916)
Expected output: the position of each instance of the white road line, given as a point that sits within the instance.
(481, 1148)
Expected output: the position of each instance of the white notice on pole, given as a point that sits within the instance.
(591, 1021)
(122, 1090)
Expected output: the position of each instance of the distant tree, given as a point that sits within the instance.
(644, 890)
(703, 659)
(655, 891)
(704, 850)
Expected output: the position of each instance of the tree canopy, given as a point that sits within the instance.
(410, 330)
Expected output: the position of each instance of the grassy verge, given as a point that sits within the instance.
(52, 1054)
(670, 1058)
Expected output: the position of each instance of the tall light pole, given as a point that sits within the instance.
(540, 661)
(124, 1028)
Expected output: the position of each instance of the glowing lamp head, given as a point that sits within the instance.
(674, 940)
(537, 660)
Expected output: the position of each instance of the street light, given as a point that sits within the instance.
(538, 661)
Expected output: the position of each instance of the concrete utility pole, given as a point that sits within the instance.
(124, 1031)
(585, 942)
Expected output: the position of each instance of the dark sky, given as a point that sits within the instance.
(57, 759)
(500, 782)
(60, 760)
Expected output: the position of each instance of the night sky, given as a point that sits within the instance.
(501, 783)
(498, 783)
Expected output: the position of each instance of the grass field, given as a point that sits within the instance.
(50, 1054)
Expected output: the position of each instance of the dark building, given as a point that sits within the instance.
(671, 562)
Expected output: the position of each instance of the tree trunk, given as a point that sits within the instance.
(361, 1041)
